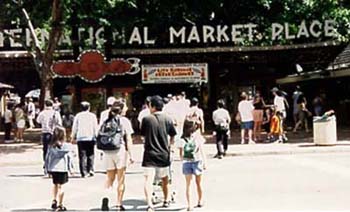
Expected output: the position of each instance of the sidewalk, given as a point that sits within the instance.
(30, 151)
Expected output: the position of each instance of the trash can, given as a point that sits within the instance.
(325, 130)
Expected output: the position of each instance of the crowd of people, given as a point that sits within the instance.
(112, 134)
(166, 124)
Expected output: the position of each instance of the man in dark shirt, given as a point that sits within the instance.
(156, 157)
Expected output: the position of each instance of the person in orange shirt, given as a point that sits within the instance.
(276, 131)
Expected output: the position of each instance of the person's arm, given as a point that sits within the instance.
(202, 122)
(201, 150)
(181, 153)
(129, 147)
(228, 117)
(74, 129)
(286, 102)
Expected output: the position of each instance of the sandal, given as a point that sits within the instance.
(120, 208)
(54, 204)
(166, 204)
(61, 208)
(200, 205)
(150, 209)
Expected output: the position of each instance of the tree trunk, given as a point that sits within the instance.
(46, 79)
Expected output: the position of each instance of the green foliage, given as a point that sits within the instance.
(158, 15)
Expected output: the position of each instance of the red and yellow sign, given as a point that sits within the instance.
(175, 73)
(92, 67)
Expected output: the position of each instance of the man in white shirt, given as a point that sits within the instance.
(222, 119)
(84, 133)
(145, 111)
(245, 109)
(48, 119)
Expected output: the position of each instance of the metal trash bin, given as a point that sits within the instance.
(325, 130)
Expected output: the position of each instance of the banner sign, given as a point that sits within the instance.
(181, 35)
(93, 67)
(175, 73)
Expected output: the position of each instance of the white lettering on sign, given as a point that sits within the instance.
(277, 30)
(135, 36)
(236, 33)
(329, 30)
(208, 33)
(194, 36)
(174, 33)
(145, 35)
(312, 29)
(303, 30)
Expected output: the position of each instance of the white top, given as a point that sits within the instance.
(245, 109)
(45, 119)
(221, 116)
(145, 112)
(85, 126)
(279, 103)
(103, 116)
(8, 116)
(31, 110)
(199, 140)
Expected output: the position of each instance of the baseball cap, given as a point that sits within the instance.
(111, 100)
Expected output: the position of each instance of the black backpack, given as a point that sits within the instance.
(110, 135)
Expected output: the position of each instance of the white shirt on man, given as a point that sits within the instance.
(85, 126)
(245, 109)
(46, 119)
(221, 116)
(279, 103)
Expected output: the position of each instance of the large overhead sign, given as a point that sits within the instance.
(196, 34)
(175, 73)
(92, 67)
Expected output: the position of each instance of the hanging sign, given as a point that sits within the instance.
(93, 67)
(175, 73)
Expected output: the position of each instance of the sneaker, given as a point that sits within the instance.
(91, 174)
(220, 157)
(242, 142)
(8, 141)
(54, 204)
(104, 206)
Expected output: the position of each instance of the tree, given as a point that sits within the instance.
(42, 55)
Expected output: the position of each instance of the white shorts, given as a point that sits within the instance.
(21, 123)
(115, 159)
(158, 172)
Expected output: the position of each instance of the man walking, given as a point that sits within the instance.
(48, 119)
(84, 132)
(222, 119)
(156, 157)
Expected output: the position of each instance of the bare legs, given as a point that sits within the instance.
(250, 136)
(111, 175)
(188, 190)
(58, 192)
(257, 130)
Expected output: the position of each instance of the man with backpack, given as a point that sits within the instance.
(114, 139)
(84, 132)
(48, 119)
(156, 128)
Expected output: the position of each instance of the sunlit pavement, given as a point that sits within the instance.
(270, 177)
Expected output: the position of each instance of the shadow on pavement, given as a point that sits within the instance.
(38, 209)
(26, 175)
(18, 147)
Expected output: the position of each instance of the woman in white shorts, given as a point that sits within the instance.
(116, 160)
(20, 122)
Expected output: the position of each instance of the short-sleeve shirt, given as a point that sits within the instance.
(245, 109)
(279, 103)
(156, 128)
(198, 141)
